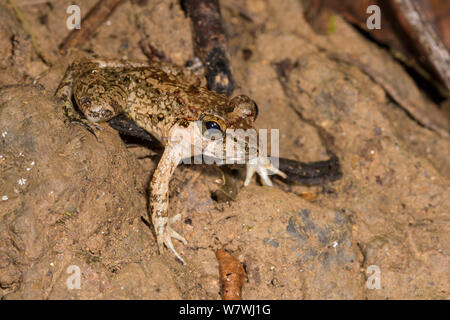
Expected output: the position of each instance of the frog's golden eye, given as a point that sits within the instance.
(210, 122)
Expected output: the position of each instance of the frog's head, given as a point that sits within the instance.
(227, 132)
(98, 99)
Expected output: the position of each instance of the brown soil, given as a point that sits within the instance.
(67, 198)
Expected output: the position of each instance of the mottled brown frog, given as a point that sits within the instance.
(165, 101)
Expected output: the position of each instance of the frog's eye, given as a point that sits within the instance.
(211, 128)
(211, 122)
(212, 125)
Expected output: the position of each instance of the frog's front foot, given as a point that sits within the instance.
(263, 167)
(92, 127)
(165, 233)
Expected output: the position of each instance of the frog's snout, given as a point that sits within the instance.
(99, 113)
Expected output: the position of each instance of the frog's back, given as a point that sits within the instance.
(157, 99)
(155, 95)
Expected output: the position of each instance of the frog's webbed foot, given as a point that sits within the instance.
(263, 167)
(165, 233)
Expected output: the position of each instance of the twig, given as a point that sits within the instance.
(98, 14)
(210, 43)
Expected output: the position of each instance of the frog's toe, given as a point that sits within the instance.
(167, 234)
(251, 169)
(263, 167)
(173, 233)
(274, 170)
(170, 233)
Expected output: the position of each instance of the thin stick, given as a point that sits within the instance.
(210, 43)
(98, 14)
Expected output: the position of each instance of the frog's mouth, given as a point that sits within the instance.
(98, 114)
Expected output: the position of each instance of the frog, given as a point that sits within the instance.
(173, 106)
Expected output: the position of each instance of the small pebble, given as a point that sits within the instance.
(4, 198)
(21, 181)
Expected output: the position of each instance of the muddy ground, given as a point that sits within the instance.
(69, 199)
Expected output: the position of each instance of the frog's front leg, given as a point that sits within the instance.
(159, 198)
